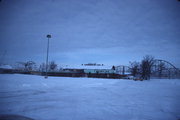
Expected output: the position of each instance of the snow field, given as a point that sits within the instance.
(64, 98)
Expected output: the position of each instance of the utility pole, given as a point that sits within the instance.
(48, 36)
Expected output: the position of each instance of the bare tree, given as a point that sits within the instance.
(161, 67)
(42, 67)
(134, 68)
(52, 66)
(146, 67)
(28, 66)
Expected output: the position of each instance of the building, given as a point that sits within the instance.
(90, 68)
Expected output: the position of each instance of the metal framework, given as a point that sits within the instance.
(160, 69)
(163, 68)
(122, 69)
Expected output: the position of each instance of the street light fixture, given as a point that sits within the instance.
(48, 36)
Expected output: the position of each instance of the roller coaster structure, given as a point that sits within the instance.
(163, 68)
(160, 69)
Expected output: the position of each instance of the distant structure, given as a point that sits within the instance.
(93, 64)
(4, 68)
(165, 69)
(123, 70)
(91, 68)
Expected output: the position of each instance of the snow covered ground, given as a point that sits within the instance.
(60, 98)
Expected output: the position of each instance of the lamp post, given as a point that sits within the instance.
(48, 36)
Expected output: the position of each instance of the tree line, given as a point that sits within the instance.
(32, 66)
(142, 69)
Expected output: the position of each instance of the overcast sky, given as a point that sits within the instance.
(83, 31)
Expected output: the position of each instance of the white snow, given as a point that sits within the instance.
(79, 66)
(60, 98)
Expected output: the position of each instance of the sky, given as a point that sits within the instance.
(89, 31)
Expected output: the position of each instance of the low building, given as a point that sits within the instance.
(90, 68)
(6, 69)
(102, 71)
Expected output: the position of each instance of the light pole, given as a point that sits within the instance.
(48, 36)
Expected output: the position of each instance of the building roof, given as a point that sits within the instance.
(5, 67)
(84, 66)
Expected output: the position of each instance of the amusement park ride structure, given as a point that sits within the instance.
(160, 69)
(163, 68)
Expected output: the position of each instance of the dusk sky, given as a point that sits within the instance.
(89, 31)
